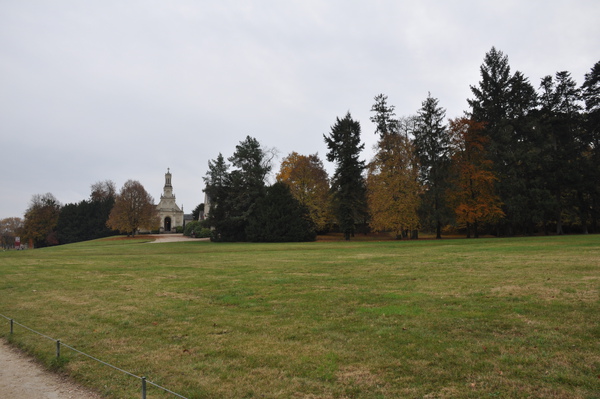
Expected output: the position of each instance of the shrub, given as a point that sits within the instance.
(204, 233)
(191, 226)
(198, 230)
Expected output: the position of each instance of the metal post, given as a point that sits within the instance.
(11, 326)
(57, 348)
(143, 387)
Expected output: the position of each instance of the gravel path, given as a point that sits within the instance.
(22, 378)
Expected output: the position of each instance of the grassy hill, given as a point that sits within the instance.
(439, 319)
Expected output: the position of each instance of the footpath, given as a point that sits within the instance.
(22, 378)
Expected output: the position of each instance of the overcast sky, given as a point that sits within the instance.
(97, 90)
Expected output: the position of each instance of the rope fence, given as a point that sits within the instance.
(59, 344)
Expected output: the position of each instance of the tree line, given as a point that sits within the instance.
(519, 161)
(105, 213)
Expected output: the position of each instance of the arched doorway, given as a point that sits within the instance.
(167, 224)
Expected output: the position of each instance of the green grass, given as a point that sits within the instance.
(505, 318)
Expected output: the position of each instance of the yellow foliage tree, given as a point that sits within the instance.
(308, 181)
(392, 186)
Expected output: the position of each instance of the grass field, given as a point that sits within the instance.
(508, 318)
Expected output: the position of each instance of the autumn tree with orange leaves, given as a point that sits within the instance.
(309, 184)
(472, 194)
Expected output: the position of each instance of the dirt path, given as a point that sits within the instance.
(22, 378)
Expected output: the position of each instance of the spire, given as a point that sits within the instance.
(168, 178)
(168, 190)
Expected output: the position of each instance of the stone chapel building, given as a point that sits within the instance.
(171, 216)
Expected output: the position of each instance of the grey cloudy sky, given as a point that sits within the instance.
(96, 90)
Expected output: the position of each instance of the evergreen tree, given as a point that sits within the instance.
(198, 211)
(385, 118)
(84, 221)
(561, 127)
(492, 97)
(432, 147)
(591, 96)
(348, 186)
(246, 184)
(279, 217)
(521, 188)
(232, 195)
(87, 219)
(505, 103)
(217, 196)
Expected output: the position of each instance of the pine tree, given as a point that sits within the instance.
(348, 186)
(432, 147)
(561, 127)
(232, 194)
(505, 103)
(217, 193)
(591, 96)
(492, 97)
(385, 118)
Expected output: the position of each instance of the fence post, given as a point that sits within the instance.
(11, 326)
(57, 348)
(143, 387)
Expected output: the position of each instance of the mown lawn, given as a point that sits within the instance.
(462, 318)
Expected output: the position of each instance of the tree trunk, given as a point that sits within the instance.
(583, 214)
(559, 226)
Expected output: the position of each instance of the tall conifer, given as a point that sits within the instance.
(348, 186)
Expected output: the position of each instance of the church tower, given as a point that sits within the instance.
(171, 216)
(168, 189)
